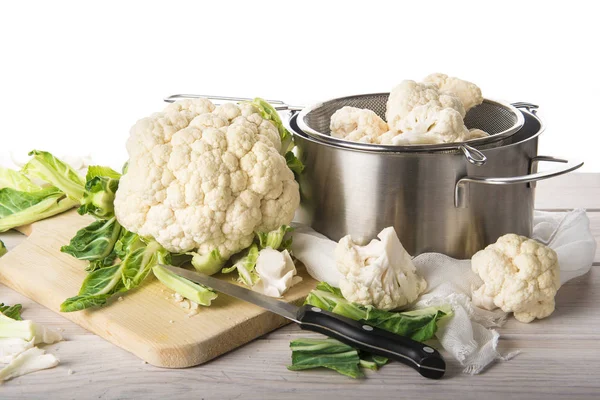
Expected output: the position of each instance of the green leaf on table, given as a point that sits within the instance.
(96, 289)
(10, 178)
(46, 167)
(419, 325)
(19, 208)
(79, 303)
(95, 242)
(13, 311)
(327, 353)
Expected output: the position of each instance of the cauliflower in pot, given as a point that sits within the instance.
(520, 275)
(380, 274)
(417, 113)
(468, 93)
(206, 178)
(357, 125)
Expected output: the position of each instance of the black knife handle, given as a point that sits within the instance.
(426, 360)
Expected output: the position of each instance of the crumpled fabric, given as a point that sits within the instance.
(469, 336)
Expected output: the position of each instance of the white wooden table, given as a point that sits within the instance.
(560, 355)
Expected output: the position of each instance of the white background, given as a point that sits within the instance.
(74, 76)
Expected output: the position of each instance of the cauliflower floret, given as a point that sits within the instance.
(431, 124)
(380, 274)
(468, 93)
(410, 94)
(357, 125)
(519, 275)
(204, 178)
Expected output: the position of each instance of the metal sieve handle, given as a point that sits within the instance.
(277, 104)
(473, 155)
(461, 190)
(532, 108)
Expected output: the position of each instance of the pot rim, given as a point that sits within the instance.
(451, 151)
(473, 143)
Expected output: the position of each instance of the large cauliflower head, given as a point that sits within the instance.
(380, 274)
(202, 177)
(520, 275)
(357, 125)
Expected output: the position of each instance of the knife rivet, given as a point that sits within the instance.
(316, 309)
(367, 327)
(428, 349)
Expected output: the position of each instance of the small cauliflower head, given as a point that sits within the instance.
(409, 94)
(520, 275)
(357, 125)
(380, 274)
(202, 178)
(468, 93)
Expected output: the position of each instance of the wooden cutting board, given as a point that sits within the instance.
(146, 322)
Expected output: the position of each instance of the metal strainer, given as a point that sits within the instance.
(499, 119)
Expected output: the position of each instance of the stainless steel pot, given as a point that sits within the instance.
(437, 201)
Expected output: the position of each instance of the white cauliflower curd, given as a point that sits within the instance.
(206, 178)
(408, 95)
(357, 125)
(520, 275)
(380, 274)
(468, 93)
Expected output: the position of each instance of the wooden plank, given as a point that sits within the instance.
(544, 369)
(147, 322)
(566, 192)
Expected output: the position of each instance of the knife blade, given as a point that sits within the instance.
(424, 359)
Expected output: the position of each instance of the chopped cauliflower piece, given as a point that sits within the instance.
(276, 272)
(12, 347)
(468, 93)
(31, 360)
(357, 125)
(520, 275)
(380, 274)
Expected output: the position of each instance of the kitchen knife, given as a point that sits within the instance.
(426, 360)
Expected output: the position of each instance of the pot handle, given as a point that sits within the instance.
(277, 104)
(461, 190)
